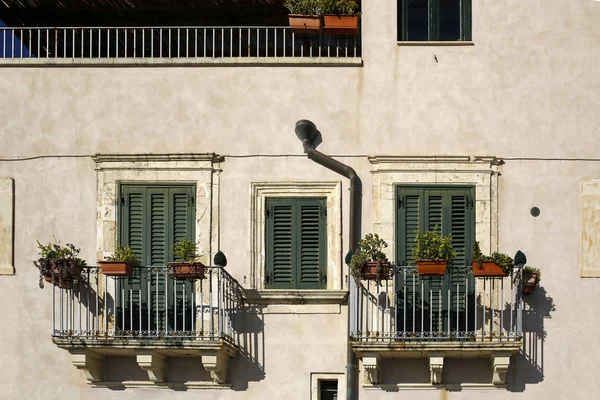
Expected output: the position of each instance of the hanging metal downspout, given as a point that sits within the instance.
(307, 132)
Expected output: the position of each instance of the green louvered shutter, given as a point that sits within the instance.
(279, 243)
(152, 218)
(312, 245)
(462, 228)
(408, 296)
(451, 210)
(296, 244)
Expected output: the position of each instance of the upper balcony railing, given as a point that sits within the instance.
(150, 304)
(453, 307)
(177, 42)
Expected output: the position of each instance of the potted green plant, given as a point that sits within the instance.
(340, 17)
(498, 264)
(59, 265)
(531, 277)
(305, 15)
(432, 252)
(369, 262)
(120, 263)
(188, 266)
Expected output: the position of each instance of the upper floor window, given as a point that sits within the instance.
(296, 243)
(434, 20)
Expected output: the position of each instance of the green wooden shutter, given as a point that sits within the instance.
(311, 244)
(452, 211)
(463, 234)
(296, 243)
(279, 244)
(409, 223)
(152, 218)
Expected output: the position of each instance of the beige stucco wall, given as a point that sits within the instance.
(527, 88)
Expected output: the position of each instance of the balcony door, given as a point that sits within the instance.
(152, 217)
(434, 307)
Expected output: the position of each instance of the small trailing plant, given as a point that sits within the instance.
(504, 261)
(369, 249)
(340, 7)
(304, 7)
(432, 245)
(186, 251)
(532, 270)
(124, 254)
(54, 251)
(61, 263)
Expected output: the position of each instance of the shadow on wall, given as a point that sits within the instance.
(528, 365)
(248, 365)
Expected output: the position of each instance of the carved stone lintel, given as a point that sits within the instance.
(500, 362)
(153, 363)
(91, 364)
(216, 363)
(436, 367)
(371, 364)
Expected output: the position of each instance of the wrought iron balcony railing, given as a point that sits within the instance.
(453, 307)
(179, 42)
(150, 304)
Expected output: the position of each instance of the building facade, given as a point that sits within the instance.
(144, 123)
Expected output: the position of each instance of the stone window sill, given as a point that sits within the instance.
(292, 301)
(435, 43)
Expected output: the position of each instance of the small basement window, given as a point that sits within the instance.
(328, 389)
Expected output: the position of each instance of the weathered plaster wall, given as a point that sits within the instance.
(528, 87)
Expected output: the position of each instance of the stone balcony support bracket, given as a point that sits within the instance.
(436, 366)
(372, 367)
(153, 363)
(151, 356)
(498, 352)
(499, 363)
(91, 364)
(216, 363)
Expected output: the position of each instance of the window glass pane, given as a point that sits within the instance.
(328, 390)
(416, 20)
(449, 20)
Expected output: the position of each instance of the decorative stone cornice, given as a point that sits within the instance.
(104, 158)
(442, 159)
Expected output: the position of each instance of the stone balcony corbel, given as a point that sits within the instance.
(371, 364)
(436, 367)
(153, 363)
(90, 363)
(499, 363)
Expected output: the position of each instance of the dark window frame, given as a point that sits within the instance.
(433, 21)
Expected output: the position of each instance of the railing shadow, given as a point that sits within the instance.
(528, 364)
(249, 365)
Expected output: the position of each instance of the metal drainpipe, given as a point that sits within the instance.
(307, 131)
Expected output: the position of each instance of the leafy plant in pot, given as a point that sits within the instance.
(340, 17)
(432, 252)
(498, 264)
(369, 262)
(188, 267)
(531, 278)
(305, 15)
(120, 263)
(59, 265)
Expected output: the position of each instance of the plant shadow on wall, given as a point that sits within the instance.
(248, 365)
(528, 365)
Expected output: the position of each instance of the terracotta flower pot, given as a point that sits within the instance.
(182, 270)
(431, 267)
(369, 271)
(487, 269)
(530, 281)
(341, 24)
(305, 24)
(116, 268)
